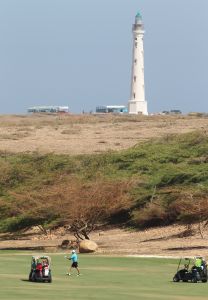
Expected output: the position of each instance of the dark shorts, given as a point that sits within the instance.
(74, 264)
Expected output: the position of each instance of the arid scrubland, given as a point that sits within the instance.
(105, 171)
(86, 134)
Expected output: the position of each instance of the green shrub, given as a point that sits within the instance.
(17, 223)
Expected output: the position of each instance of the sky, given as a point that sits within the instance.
(79, 53)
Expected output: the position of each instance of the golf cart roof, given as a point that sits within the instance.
(41, 257)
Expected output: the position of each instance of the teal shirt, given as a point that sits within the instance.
(74, 257)
(33, 265)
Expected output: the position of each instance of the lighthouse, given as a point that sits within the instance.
(137, 103)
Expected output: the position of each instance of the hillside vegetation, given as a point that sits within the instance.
(158, 182)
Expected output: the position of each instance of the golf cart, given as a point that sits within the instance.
(194, 270)
(40, 269)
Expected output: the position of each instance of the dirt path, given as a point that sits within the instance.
(164, 241)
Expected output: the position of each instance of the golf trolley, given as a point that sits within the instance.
(40, 269)
(194, 270)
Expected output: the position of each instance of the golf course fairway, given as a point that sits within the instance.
(103, 278)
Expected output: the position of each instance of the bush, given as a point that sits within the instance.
(164, 169)
(153, 214)
(18, 223)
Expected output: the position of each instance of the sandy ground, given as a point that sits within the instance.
(84, 134)
(163, 241)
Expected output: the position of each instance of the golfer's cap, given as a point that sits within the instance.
(73, 251)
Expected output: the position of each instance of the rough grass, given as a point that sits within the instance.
(105, 278)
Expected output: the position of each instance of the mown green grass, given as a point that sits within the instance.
(105, 278)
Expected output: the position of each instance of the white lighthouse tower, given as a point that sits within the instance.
(137, 103)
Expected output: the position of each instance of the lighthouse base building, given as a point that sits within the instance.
(137, 107)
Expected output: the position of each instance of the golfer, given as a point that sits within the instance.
(74, 264)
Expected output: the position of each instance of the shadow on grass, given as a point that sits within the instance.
(187, 248)
(26, 280)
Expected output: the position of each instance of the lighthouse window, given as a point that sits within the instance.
(135, 61)
(134, 95)
(134, 78)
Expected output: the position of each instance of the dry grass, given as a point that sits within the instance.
(83, 134)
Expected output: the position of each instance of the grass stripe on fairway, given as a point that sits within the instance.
(104, 278)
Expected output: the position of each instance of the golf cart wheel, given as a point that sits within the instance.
(176, 279)
(204, 280)
(30, 276)
(194, 280)
(50, 278)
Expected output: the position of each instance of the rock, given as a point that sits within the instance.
(65, 244)
(69, 244)
(87, 246)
